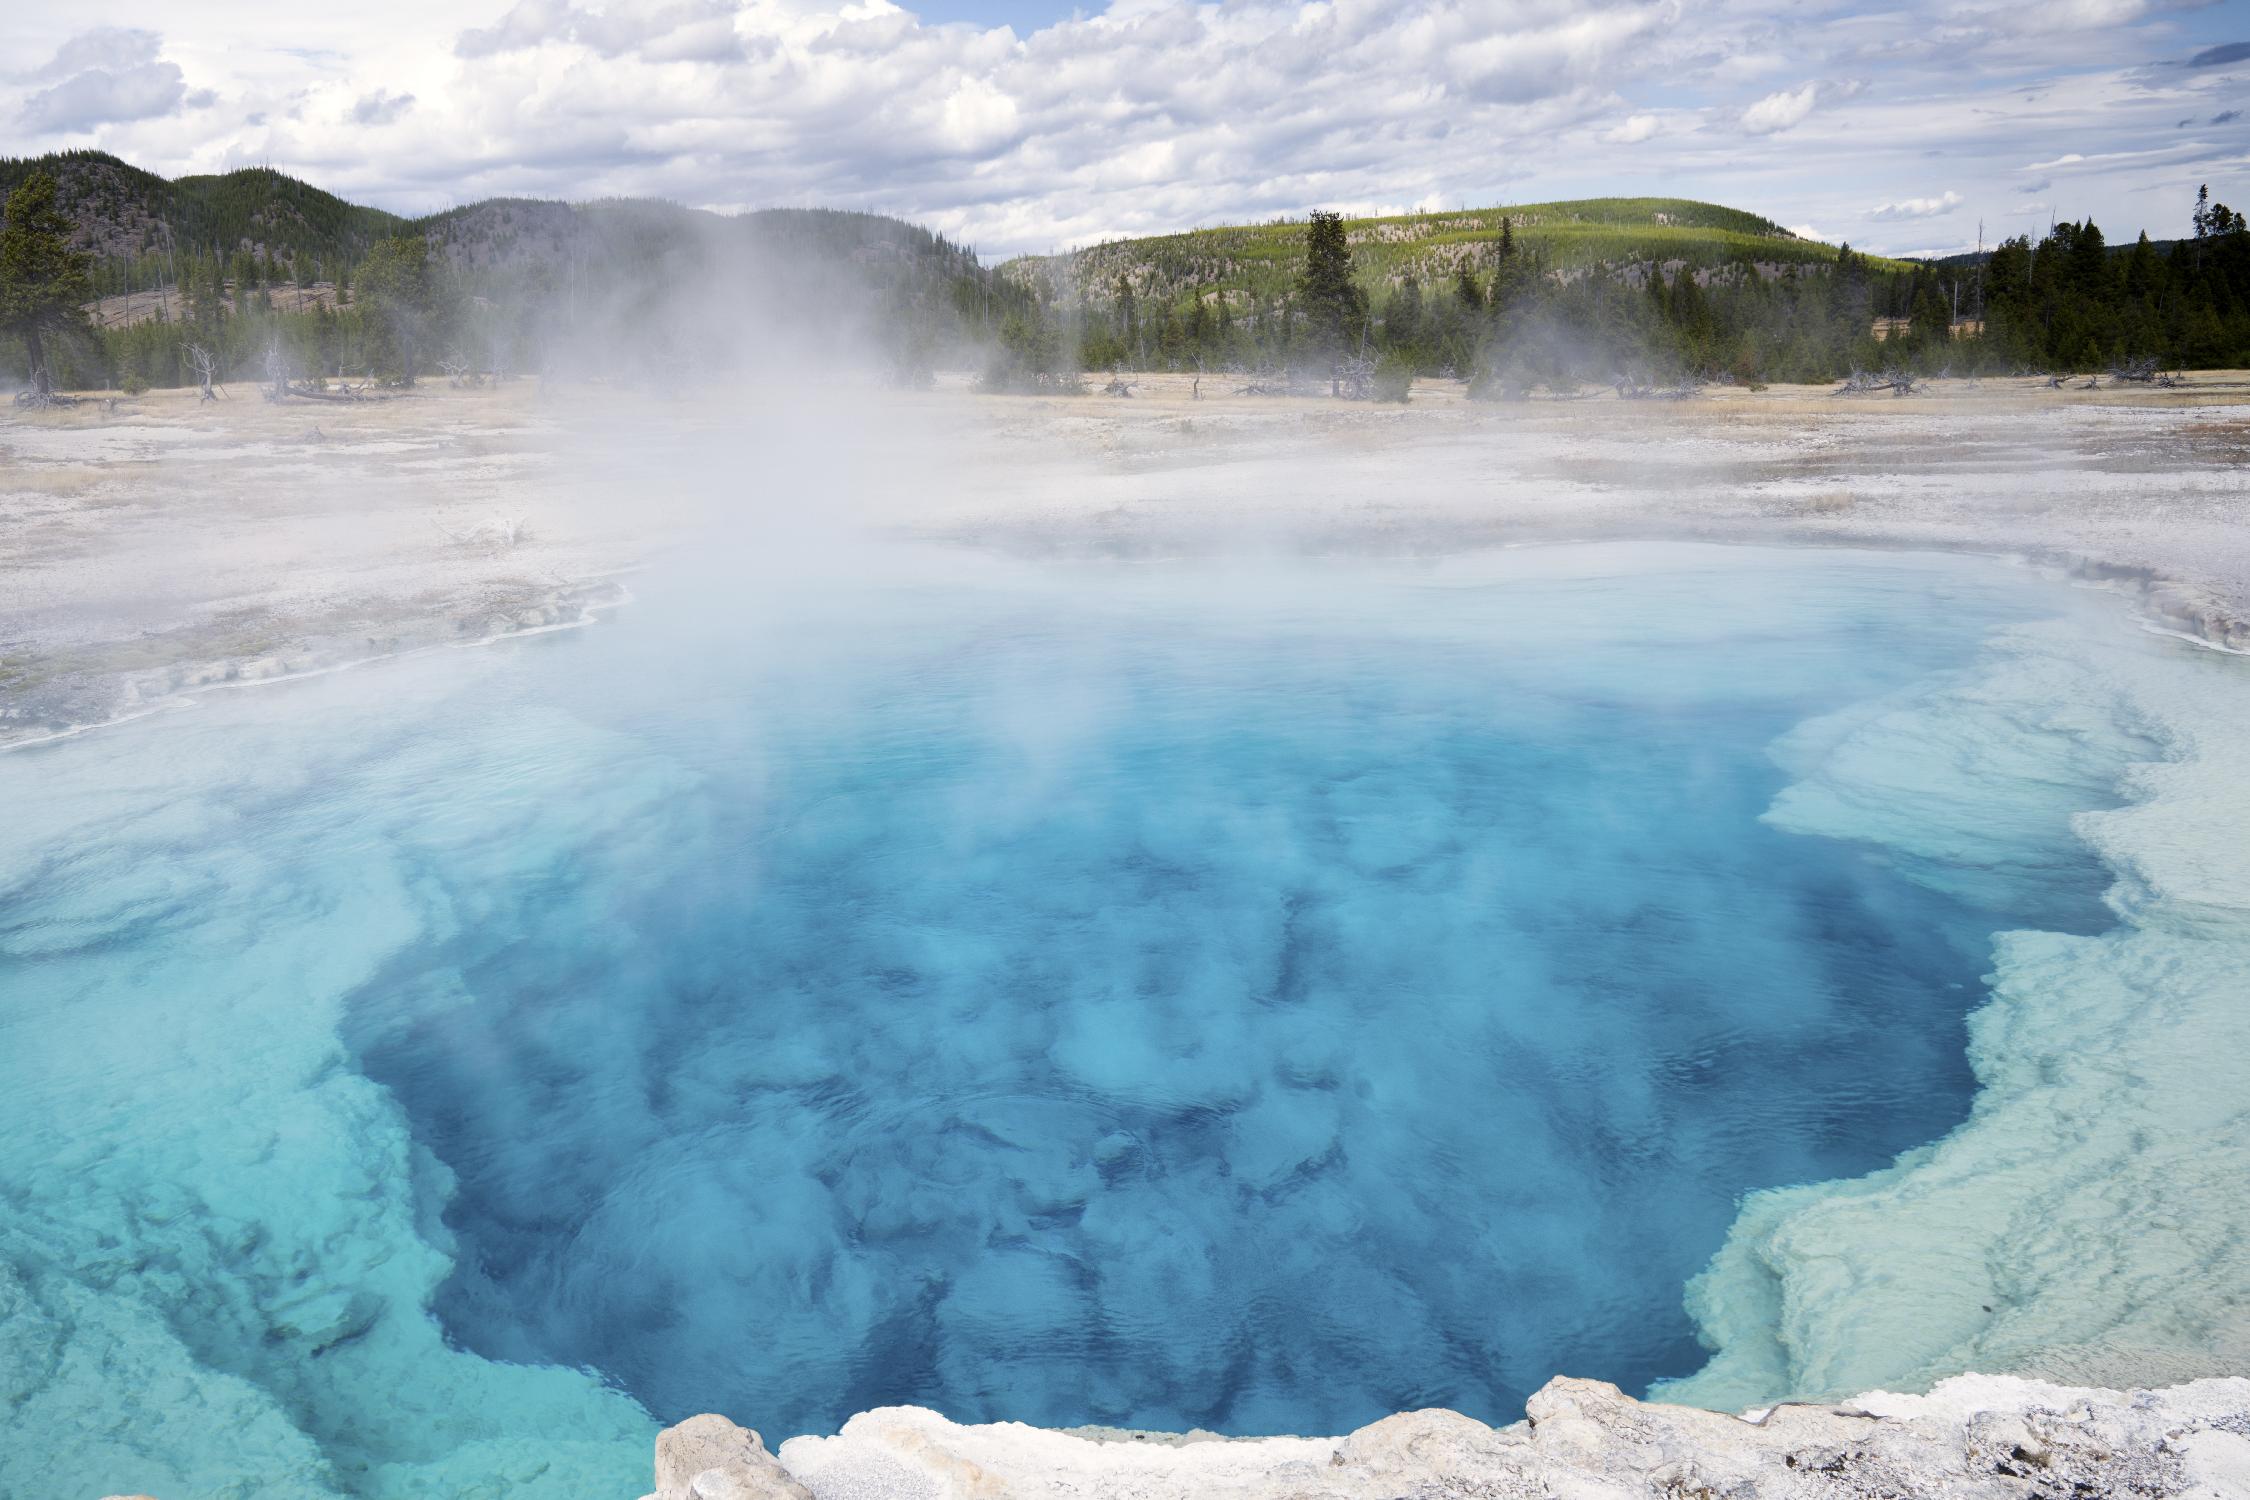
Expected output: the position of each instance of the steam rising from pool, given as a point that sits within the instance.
(1159, 996)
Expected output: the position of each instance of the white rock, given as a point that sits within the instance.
(1971, 1438)
(710, 1458)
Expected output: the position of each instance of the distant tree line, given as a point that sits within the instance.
(391, 317)
(1507, 318)
(2071, 302)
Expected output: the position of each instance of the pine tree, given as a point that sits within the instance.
(2089, 262)
(2141, 269)
(206, 290)
(1466, 291)
(1513, 278)
(43, 282)
(1335, 308)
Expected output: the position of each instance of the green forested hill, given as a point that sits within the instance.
(245, 260)
(125, 213)
(1258, 262)
(147, 232)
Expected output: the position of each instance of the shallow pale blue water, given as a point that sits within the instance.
(1257, 999)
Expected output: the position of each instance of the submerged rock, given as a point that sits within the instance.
(1987, 1437)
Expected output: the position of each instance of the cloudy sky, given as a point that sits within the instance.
(1020, 125)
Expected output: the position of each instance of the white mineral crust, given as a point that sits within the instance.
(1988, 1437)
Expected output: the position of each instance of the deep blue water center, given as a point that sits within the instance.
(1254, 1002)
(1256, 996)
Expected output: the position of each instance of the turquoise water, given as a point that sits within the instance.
(1260, 999)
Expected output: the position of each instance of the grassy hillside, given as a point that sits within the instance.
(1260, 261)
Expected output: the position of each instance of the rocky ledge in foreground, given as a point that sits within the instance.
(1974, 1436)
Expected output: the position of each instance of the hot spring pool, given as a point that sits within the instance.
(1150, 995)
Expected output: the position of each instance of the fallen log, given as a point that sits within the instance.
(1860, 383)
(312, 392)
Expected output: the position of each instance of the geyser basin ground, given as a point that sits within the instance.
(1255, 998)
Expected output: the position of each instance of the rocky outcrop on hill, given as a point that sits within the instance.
(1974, 1437)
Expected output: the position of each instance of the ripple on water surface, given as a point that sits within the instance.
(1125, 996)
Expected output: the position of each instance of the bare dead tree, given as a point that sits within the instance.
(459, 371)
(317, 390)
(41, 394)
(206, 369)
(39, 398)
(1979, 313)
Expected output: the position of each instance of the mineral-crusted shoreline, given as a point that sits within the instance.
(1987, 1437)
(154, 552)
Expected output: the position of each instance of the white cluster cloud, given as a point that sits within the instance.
(1150, 114)
(104, 76)
(1915, 208)
(685, 31)
(1780, 111)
